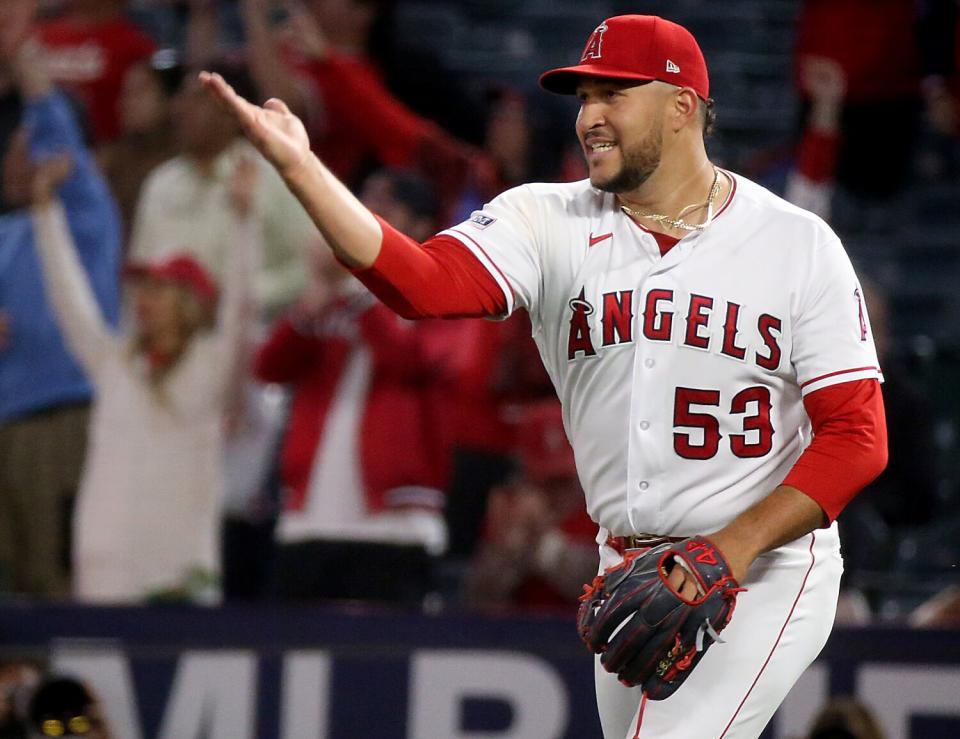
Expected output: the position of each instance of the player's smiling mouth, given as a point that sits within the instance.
(597, 147)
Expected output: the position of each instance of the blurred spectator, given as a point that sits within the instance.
(940, 31)
(356, 124)
(845, 718)
(357, 460)
(496, 363)
(183, 203)
(496, 368)
(507, 146)
(89, 49)
(863, 93)
(146, 137)
(539, 546)
(810, 183)
(62, 706)
(43, 392)
(362, 459)
(18, 680)
(147, 514)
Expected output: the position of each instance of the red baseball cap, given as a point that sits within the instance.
(636, 47)
(179, 268)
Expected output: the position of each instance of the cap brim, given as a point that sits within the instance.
(564, 80)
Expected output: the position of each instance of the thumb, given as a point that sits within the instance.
(277, 105)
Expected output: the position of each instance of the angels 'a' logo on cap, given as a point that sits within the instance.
(593, 50)
(672, 67)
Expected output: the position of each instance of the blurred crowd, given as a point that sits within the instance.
(197, 401)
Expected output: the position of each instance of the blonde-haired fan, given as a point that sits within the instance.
(147, 519)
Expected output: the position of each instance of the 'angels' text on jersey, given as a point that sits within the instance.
(697, 317)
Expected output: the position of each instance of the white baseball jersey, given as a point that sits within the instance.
(681, 376)
(682, 380)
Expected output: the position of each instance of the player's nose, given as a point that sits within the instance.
(591, 116)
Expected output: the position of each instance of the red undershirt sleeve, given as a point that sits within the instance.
(439, 278)
(849, 447)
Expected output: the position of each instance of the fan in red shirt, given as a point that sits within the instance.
(89, 49)
(363, 459)
(864, 91)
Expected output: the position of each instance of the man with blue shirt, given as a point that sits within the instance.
(43, 392)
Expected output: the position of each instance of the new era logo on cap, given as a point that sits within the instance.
(672, 67)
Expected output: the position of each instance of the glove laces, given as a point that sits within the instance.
(707, 628)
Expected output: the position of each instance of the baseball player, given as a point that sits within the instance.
(710, 347)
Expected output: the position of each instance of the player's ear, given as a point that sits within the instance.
(684, 108)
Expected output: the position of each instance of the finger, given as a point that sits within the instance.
(225, 94)
(676, 578)
(245, 113)
(684, 585)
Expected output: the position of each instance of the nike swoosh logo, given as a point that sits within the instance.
(594, 240)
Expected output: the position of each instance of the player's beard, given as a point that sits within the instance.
(639, 163)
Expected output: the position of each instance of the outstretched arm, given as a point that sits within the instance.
(68, 288)
(440, 278)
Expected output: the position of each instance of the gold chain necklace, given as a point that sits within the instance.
(678, 222)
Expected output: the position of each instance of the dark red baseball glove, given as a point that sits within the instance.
(642, 629)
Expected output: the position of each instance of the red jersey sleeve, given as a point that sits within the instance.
(849, 448)
(439, 278)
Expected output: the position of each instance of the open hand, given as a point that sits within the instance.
(276, 132)
(823, 79)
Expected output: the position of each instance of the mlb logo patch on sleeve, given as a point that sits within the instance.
(479, 220)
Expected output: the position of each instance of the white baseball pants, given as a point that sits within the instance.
(778, 628)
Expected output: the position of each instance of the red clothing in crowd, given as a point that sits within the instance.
(494, 366)
(873, 41)
(359, 123)
(91, 60)
(397, 445)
